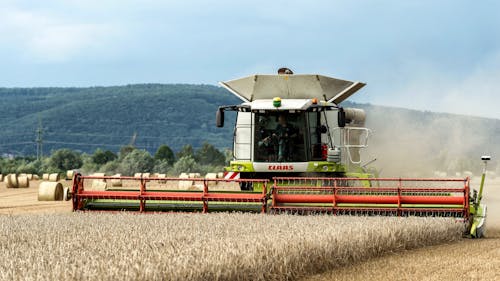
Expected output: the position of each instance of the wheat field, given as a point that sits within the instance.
(124, 246)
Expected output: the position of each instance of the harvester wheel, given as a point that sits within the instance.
(247, 186)
(66, 194)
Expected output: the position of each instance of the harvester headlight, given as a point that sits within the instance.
(325, 168)
(241, 168)
(485, 157)
(277, 102)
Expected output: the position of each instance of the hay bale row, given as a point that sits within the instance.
(50, 191)
(29, 176)
(142, 175)
(194, 175)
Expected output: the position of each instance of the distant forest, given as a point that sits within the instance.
(85, 119)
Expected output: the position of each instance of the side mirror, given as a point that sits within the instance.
(341, 118)
(219, 117)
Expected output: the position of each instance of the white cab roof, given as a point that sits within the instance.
(295, 86)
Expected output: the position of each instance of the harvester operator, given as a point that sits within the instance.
(285, 133)
(281, 140)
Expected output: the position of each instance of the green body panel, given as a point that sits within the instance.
(319, 167)
(312, 167)
(478, 222)
(240, 166)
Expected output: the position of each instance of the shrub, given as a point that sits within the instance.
(136, 161)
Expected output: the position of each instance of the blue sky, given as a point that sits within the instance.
(427, 55)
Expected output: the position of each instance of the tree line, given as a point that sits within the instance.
(127, 161)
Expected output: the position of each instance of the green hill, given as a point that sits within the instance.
(85, 119)
(107, 117)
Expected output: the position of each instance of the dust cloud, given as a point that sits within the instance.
(410, 143)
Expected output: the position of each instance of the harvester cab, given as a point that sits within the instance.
(293, 125)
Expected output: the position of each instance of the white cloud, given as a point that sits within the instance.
(46, 38)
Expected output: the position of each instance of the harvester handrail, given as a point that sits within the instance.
(170, 179)
(373, 179)
(363, 188)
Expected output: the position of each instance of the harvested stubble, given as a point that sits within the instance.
(83, 246)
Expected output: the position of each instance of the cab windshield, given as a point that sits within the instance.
(281, 137)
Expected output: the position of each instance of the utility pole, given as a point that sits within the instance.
(133, 139)
(39, 140)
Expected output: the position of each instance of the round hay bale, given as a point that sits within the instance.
(30, 176)
(54, 177)
(70, 174)
(116, 182)
(98, 185)
(11, 181)
(50, 191)
(211, 176)
(146, 175)
(161, 176)
(194, 175)
(220, 175)
(23, 182)
(137, 175)
(35, 177)
(185, 184)
(66, 194)
(1, 177)
(45, 177)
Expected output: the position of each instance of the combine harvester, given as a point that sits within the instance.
(295, 150)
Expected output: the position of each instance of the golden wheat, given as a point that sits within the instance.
(123, 246)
